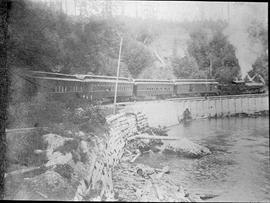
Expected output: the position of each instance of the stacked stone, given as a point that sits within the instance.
(121, 126)
(142, 122)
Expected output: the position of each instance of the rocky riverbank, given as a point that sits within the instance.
(139, 182)
(94, 166)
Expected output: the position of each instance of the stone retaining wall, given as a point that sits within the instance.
(121, 127)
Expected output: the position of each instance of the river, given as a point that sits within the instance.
(237, 169)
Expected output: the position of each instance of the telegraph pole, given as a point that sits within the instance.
(118, 68)
(228, 12)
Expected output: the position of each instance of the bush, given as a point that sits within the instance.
(137, 57)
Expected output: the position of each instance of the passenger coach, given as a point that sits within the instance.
(153, 89)
(103, 88)
(196, 87)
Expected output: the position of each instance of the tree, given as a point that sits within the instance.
(198, 48)
(212, 50)
(186, 67)
(225, 65)
(136, 56)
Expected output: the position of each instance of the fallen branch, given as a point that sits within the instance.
(144, 136)
(22, 130)
(21, 171)
(135, 157)
(42, 195)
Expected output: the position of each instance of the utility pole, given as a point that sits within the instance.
(75, 7)
(210, 68)
(116, 84)
(228, 12)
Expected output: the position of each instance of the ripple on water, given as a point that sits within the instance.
(238, 168)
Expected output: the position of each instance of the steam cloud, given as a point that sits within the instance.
(241, 17)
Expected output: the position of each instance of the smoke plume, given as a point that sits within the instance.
(242, 15)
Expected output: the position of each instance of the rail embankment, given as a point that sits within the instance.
(95, 166)
(170, 112)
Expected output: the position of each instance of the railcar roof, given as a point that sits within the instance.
(195, 80)
(48, 74)
(102, 77)
(56, 78)
(188, 83)
(107, 81)
(75, 76)
(155, 83)
(151, 80)
(85, 80)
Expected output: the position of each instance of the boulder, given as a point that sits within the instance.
(185, 147)
(47, 186)
(54, 141)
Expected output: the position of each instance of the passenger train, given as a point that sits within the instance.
(102, 88)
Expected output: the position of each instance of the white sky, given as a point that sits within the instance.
(170, 10)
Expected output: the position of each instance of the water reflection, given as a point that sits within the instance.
(238, 168)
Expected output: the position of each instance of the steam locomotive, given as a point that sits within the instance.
(102, 88)
(242, 87)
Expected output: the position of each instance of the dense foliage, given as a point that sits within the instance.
(44, 40)
(210, 55)
(137, 57)
(186, 67)
(40, 39)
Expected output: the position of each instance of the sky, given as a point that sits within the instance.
(166, 10)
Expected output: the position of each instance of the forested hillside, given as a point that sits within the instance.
(41, 39)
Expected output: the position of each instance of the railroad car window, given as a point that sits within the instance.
(190, 88)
